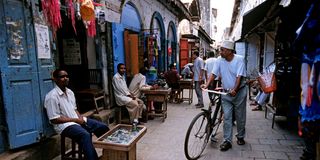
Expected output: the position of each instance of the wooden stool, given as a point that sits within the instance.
(74, 153)
(121, 110)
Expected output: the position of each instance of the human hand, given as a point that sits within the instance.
(233, 92)
(203, 86)
(80, 120)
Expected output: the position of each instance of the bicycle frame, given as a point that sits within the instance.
(202, 127)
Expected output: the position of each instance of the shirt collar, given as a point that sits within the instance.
(60, 92)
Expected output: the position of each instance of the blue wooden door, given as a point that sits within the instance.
(24, 78)
(118, 44)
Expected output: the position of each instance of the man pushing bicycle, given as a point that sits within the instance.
(231, 68)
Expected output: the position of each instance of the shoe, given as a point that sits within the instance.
(225, 146)
(241, 141)
(258, 108)
(200, 106)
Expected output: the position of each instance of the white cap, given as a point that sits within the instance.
(227, 44)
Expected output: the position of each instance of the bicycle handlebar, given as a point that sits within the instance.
(216, 92)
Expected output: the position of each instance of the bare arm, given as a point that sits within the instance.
(234, 91)
(211, 78)
(63, 119)
(201, 74)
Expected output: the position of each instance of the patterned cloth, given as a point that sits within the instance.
(310, 86)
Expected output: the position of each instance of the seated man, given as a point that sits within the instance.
(172, 77)
(186, 71)
(138, 84)
(260, 100)
(123, 96)
(60, 104)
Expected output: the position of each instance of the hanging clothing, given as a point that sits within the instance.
(310, 87)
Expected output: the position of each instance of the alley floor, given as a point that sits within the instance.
(165, 140)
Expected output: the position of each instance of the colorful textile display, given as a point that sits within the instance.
(310, 82)
(71, 14)
(87, 10)
(51, 12)
(308, 34)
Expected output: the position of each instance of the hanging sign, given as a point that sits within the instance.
(71, 50)
(43, 41)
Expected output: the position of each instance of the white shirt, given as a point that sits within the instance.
(197, 66)
(229, 71)
(137, 84)
(58, 104)
(210, 62)
(121, 90)
(186, 70)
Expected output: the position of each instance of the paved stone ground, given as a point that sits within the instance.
(165, 140)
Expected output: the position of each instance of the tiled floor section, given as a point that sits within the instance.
(165, 140)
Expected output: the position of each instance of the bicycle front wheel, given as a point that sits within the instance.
(196, 137)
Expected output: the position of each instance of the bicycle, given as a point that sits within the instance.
(202, 126)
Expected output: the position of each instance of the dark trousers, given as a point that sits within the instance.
(82, 135)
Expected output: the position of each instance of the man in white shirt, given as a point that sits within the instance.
(124, 97)
(208, 67)
(60, 104)
(186, 72)
(198, 77)
(138, 83)
(231, 68)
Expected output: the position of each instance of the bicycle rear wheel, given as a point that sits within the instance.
(197, 136)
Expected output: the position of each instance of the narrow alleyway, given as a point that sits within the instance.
(164, 141)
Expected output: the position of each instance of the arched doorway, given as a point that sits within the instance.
(172, 44)
(159, 55)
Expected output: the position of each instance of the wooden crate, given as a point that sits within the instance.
(117, 151)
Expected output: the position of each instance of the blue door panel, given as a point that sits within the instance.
(118, 44)
(46, 86)
(20, 75)
(45, 68)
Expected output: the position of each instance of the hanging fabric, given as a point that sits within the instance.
(91, 28)
(87, 10)
(51, 12)
(71, 14)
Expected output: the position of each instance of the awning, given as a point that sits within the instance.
(258, 16)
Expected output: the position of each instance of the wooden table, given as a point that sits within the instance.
(186, 84)
(116, 150)
(158, 95)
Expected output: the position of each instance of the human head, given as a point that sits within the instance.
(195, 54)
(143, 70)
(211, 54)
(61, 78)
(227, 49)
(121, 68)
(172, 66)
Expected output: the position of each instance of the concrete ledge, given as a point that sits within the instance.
(44, 150)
